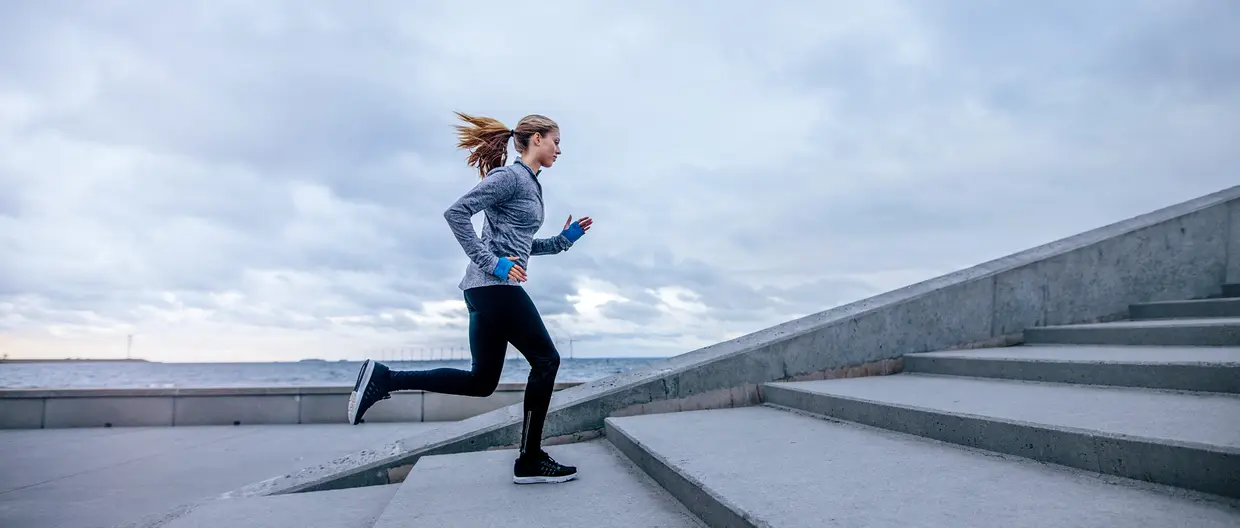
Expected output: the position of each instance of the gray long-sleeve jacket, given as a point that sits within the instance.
(511, 198)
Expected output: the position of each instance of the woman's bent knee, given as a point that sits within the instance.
(483, 387)
(484, 390)
(548, 364)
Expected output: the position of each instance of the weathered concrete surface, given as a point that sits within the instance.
(764, 467)
(22, 414)
(1173, 253)
(1183, 368)
(476, 490)
(83, 477)
(333, 408)
(1182, 439)
(447, 407)
(1213, 331)
(1116, 266)
(107, 412)
(351, 508)
(1189, 309)
(57, 408)
(225, 410)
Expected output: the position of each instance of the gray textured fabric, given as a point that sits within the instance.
(511, 199)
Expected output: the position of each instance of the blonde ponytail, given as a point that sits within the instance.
(487, 138)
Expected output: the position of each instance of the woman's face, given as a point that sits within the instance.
(546, 148)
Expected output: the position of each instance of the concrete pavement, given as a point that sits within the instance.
(99, 477)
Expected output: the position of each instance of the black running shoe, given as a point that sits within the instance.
(371, 386)
(536, 468)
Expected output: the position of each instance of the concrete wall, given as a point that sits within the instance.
(1184, 251)
(33, 408)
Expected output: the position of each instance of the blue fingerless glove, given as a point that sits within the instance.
(502, 267)
(573, 232)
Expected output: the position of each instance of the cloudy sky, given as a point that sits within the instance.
(231, 180)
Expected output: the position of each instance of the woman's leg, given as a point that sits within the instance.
(488, 329)
(529, 335)
(487, 344)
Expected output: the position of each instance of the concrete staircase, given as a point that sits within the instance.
(1127, 423)
(1130, 423)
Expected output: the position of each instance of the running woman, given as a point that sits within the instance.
(500, 311)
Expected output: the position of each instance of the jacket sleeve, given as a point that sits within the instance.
(496, 187)
(550, 246)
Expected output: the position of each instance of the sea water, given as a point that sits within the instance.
(122, 374)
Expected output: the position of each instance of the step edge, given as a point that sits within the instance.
(706, 503)
(1144, 485)
(1101, 452)
(1009, 359)
(1197, 378)
(1187, 322)
(1221, 449)
(1004, 381)
(1189, 302)
(1210, 331)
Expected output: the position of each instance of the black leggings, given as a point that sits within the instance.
(498, 315)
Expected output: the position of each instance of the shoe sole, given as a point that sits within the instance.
(363, 381)
(543, 480)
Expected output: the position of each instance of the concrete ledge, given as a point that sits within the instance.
(447, 407)
(1193, 309)
(1187, 375)
(1182, 251)
(709, 506)
(1214, 331)
(107, 412)
(223, 410)
(22, 414)
(1206, 468)
(60, 408)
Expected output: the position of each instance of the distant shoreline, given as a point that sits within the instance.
(146, 373)
(73, 360)
(306, 361)
(301, 361)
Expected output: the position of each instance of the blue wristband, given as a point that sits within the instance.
(573, 232)
(502, 267)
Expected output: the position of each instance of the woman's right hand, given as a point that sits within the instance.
(517, 273)
(514, 271)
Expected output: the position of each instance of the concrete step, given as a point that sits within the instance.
(346, 508)
(1231, 290)
(759, 466)
(1183, 368)
(1183, 439)
(476, 490)
(1172, 332)
(1193, 309)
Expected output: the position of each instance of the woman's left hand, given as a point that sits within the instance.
(574, 230)
(584, 222)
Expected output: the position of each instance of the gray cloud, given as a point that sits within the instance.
(551, 296)
(279, 170)
(634, 311)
